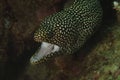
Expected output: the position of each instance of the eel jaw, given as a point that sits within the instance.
(44, 51)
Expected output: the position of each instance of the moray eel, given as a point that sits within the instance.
(66, 31)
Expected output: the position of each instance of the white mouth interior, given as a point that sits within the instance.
(44, 50)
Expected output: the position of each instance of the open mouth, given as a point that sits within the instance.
(43, 51)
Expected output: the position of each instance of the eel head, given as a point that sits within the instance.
(52, 39)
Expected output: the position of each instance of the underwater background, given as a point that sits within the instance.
(98, 59)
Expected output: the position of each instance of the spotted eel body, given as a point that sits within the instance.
(70, 28)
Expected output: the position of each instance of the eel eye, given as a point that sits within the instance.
(50, 34)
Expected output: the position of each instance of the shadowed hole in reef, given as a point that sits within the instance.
(15, 67)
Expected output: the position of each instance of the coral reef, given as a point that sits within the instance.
(97, 60)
